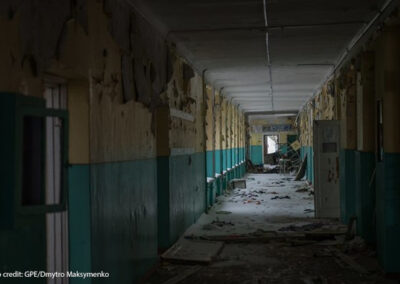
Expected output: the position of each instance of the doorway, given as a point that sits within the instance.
(271, 145)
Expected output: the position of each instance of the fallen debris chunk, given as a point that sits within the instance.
(193, 251)
(305, 228)
(255, 237)
(303, 189)
(238, 183)
(322, 235)
(183, 275)
(308, 210)
(281, 197)
(222, 223)
(223, 212)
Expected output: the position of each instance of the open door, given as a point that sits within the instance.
(326, 168)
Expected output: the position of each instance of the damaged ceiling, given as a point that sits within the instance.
(264, 62)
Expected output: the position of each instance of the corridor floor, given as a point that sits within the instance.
(268, 202)
(273, 203)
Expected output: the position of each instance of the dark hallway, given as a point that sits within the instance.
(261, 133)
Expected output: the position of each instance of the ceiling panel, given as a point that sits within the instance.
(228, 39)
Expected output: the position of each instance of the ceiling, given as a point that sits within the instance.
(229, 39)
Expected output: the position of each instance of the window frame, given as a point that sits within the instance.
(43, 112)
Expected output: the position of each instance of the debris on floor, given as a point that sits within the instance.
(307, 227)
(270, 242)
(280, 197)
(223, 212)
(252, 208)
(238, 183)
(193, 251)
(221, 223)
(303, 189)
(271, 169)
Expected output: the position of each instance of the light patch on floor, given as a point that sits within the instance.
(243, 211)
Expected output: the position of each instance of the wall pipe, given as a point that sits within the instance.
(268, 54)
(355, 44)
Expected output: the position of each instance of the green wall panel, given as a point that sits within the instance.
(22, 236)
(365, 195)
(209, 163)
(308, 150)
(388, 212)
(229, 158)
(235, 156)
(347, 184)
(124, 219)
(79, 221)
(24, 249)
(218, 161)
(163, 201)
(256, 154)
(218, 182)
(187, 192)
(224, 159)
(283, 149)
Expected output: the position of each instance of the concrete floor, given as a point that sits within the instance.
(253, 208)
(276, 261)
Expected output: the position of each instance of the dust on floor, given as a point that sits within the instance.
(283, 256)
(276, 262)
(269, 202)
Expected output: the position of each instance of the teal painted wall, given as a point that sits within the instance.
(256, 154)
(209, 163)
(310, 162)
(218, 161)
(124, 219)
(22, 236)
(241, 154)
(347, 185)
(236, 155)
(187, 192)
(229, 158)
(163, 202)
(79, 219)
(365, 195)
(182, 194)
(283, 149)
(388, 212)
(224, 159)
(23, 248)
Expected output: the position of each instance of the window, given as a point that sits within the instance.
(34, 172)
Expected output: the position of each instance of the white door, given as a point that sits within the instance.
(326, 168)
(56, 223)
